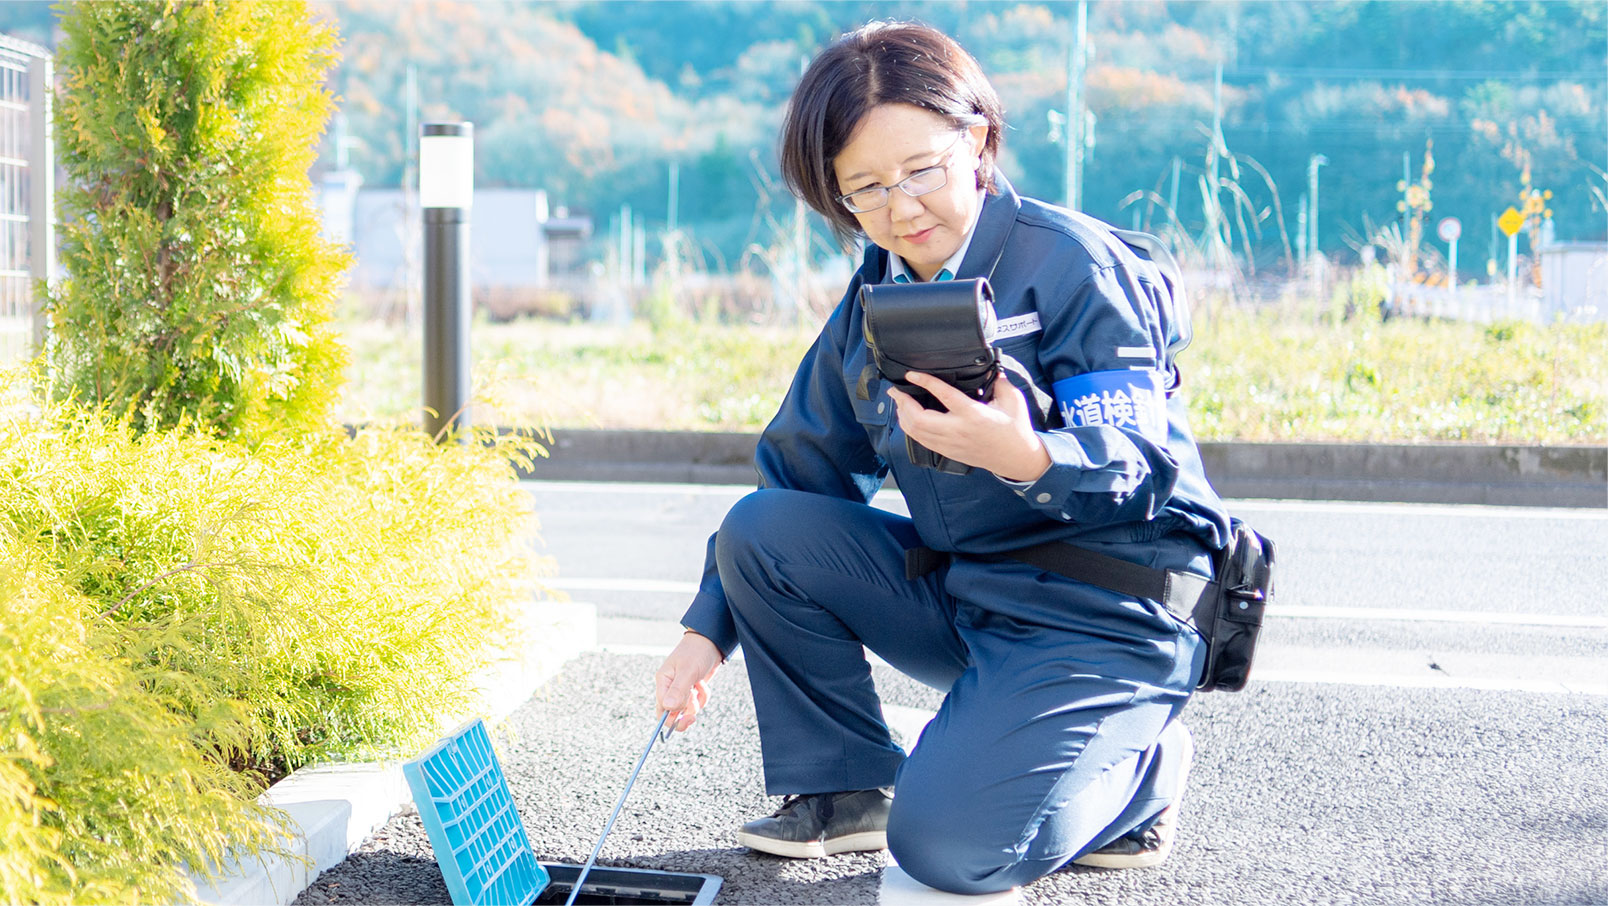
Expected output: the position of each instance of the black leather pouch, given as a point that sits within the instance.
(937, 328)
(942, 329)
(1229, 616)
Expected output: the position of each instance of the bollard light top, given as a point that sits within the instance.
(446, 165)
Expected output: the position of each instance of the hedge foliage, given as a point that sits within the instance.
(186, 618)
(203, 584)
(95, 765)
(198, 283)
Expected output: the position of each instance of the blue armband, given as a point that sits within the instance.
(1134, 400)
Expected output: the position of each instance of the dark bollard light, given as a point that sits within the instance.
(446, 191)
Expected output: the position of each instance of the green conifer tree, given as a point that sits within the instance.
(198, 286)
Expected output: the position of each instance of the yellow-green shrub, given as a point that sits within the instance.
(198, 285)
(106, 791)
(174, 604)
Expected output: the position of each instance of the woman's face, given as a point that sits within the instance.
(894, 141)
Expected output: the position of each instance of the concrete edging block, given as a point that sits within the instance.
(333, 808)
(1412, 473)
(1503, 475)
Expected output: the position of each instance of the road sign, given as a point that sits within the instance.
(1510, 222)
(1449, 229)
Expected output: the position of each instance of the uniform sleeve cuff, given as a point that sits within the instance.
(709, 617)
(1066, 462)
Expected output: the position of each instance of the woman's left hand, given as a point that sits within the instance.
(997, 435)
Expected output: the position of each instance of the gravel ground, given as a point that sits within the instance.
(1300, 794)
(567, 754)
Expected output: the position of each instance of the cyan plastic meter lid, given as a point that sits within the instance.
(479, 841)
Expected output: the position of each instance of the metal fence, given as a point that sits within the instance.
(1482, 304)
(27, 196)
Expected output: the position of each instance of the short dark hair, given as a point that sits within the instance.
(879, 63)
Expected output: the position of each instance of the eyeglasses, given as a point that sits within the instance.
(917, 184)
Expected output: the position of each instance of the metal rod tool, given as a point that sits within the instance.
(574, 891)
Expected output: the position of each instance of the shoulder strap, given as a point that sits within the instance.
(1180, 329)
(1042, 403)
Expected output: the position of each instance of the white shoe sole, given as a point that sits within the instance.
(1148, 859)
(868, 841)
(1169, 815)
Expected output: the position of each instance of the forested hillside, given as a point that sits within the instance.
(594, 100)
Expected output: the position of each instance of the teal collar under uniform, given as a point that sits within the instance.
(900, 273)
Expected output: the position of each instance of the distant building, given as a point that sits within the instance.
(515, 243)
(1574, 281)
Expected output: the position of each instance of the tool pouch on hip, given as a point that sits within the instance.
(943, 329)
(1227, 611)
(1229, 615)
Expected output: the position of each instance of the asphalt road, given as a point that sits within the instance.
(1442, 594)
(1427, 723)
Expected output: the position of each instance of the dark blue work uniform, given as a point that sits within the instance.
(1058, 733)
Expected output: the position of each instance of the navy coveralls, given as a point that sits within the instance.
(1058, 733)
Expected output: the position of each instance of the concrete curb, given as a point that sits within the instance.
(1410, 473)
(335, 807)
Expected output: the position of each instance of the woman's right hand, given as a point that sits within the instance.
(682, 683)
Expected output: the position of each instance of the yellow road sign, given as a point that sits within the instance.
(1510, 222)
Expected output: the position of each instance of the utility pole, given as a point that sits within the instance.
(1213, 209)
(411, 261)
(675, 192)
(1076, 117)
(1313, 163)
(1313, 253)
(1301, 232)
(1217, 120)
(672, 238)
(639, 253)
(1406, 183)
(801, 241)
(625, 240)
(1172, 194)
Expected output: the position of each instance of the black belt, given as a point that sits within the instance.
(1178, 591)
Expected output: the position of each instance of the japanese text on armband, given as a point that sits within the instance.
(1123, 399)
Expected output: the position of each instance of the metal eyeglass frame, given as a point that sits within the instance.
(905, 185)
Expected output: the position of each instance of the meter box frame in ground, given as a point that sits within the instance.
(484, 853)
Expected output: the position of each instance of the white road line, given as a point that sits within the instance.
(1306, 612)
(1479, 617)
(910, 719)
(647, 586)
(634, 488)
(1411, 681)
(1364, 508)
(657, 651)
(1237, 504)
(897, 888)
(637, 488)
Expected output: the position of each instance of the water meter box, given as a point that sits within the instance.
(628, 885)
(480, 843)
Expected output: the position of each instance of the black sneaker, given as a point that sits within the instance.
(822, 824)
(1151, 846)
(1140, 849)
